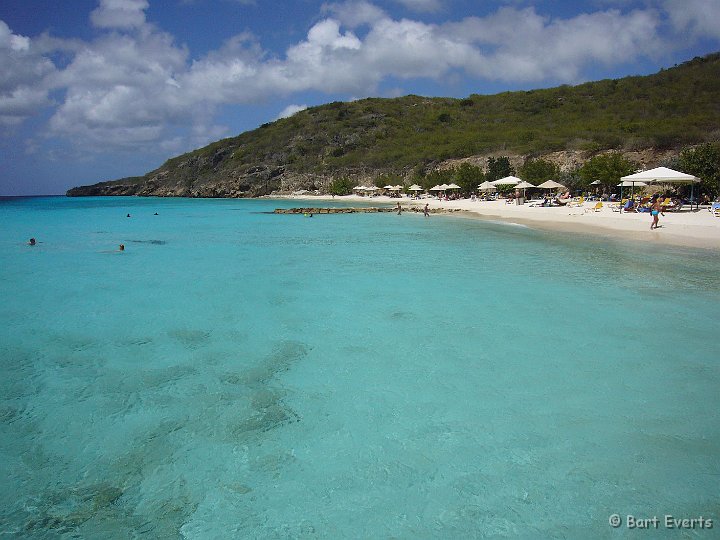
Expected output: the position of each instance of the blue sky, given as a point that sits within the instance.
(92, 90)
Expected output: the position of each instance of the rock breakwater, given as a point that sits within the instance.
(362, 210)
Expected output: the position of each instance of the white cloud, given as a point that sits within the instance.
(123, 14)
(134, 86)
(421, 5)
(354, 13)
(521, 45)
(696, 18)
(121, 86)
(290, 110)
(23, 73)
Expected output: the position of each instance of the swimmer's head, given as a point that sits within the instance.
(31, 242)
(122, 247)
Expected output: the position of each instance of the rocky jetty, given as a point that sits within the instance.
(362, 210)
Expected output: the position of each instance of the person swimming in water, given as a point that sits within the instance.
(122, 247)
(31, 242)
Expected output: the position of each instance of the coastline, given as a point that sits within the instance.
(695, 229)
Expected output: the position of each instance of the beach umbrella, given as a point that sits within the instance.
(551, 184)
(359, 188)
(524, 185)
(436, 188)
(453, 186)
(486, 186)
(631, 184)
(663, 175)
(415, 187)
(595, 183)
(388, 187)
(507, 181)
(628, 183)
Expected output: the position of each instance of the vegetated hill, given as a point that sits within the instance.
(670, 109)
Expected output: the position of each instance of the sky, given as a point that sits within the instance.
(94, 90)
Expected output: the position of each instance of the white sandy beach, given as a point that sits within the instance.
(685, 228)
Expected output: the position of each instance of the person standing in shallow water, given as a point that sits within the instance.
(399, 209)
(426, 212)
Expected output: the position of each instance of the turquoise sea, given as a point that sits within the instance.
(238, 374)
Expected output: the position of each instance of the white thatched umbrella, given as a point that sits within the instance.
(524, 185)
(551, 184)
(507, 181)
(486, 186)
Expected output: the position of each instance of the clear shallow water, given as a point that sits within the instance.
(235, 373)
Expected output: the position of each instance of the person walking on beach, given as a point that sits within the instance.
(426, 213)
(655, 212)
(399, 208)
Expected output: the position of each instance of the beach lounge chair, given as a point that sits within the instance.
(579, 202)
(598, 206)
(673, 207)
(715, 209)
(543, 202)
(629, 206)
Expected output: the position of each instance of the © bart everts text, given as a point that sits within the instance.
(667, 521)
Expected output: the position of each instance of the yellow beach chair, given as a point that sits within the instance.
(579, 202)
(616, 207)
(598, 206)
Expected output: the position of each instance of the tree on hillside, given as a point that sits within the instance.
(437, 177)
(608, 168)
(468, 177)
(341, 186)
(704, 162)
(537, 171)
(498, 168)
(388, 179)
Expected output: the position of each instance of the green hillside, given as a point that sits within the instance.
(670, 109)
